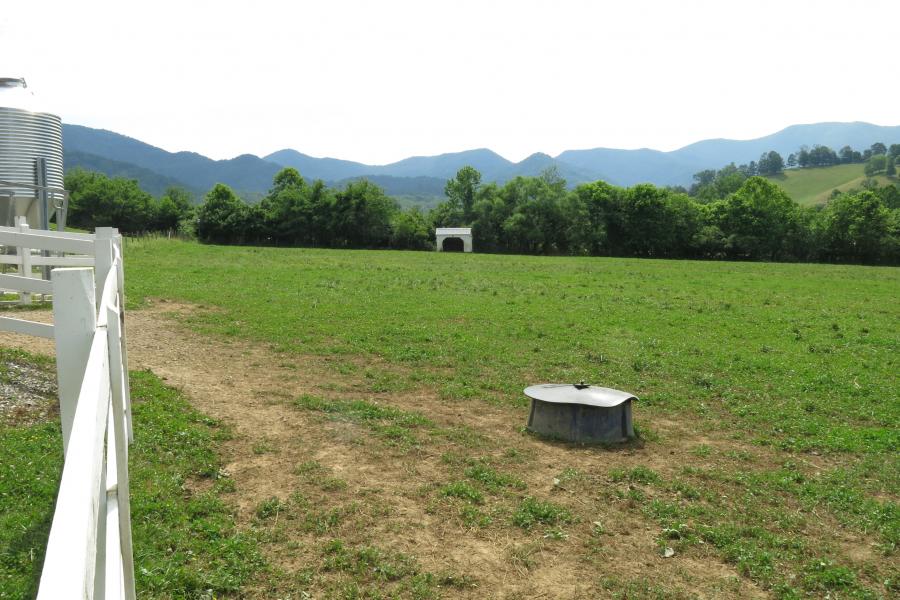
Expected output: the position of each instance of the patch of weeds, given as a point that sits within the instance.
(701, 450)
(453, 459)
(269, 508)
(396, 426)
(310, 468)
(641, 589)
(323, 521)
(224, 485)
(824, 575)
(741, 455)
(532, 511)
(464, 491)
(491, 479)
(555, 533)
(473, 517)
(333, 484)
(317, 474)
(568, 477)
(463, 435)
(367, 563)
(516, 456)
(263, 446)
(686, 490)
(642, 432)
(456, 580)
(636, 495)
(639, 474)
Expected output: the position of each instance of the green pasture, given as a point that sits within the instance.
(806, 354)
(781, 377)
(793, 359)
(814, 185)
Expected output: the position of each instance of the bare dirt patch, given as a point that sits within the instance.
(27, 393)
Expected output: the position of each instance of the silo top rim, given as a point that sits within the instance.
(567, 393)
(14, 93)
(13, 82)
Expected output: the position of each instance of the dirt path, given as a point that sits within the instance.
(389, 497)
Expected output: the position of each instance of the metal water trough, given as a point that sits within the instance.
(581, 413)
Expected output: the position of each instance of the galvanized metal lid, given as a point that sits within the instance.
(578, 393)
(15, 94)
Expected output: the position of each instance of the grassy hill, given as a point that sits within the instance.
(814, 186)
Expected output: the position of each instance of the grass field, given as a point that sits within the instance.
(769, 421)
(814, 186)
(792, 369)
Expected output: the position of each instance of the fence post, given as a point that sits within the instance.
(75, 320)
(103, 252)
(24, 260)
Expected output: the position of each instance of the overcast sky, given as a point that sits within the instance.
(382, 80)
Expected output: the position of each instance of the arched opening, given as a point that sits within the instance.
(453, 244)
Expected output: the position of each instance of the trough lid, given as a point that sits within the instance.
(578, 393)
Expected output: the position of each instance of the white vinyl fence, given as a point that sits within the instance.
(89, 552)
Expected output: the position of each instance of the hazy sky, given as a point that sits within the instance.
(378, 81)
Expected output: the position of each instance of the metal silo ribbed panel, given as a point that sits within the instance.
(24, 137)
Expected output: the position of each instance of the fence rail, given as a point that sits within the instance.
(89, 550)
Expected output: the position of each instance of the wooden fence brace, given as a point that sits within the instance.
(75, 319)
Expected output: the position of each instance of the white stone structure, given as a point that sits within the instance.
(449, 238)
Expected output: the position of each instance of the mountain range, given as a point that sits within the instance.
(422, 178)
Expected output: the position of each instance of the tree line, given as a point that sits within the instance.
(877, 158)
(726, 215)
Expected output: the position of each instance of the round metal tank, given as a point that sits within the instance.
(582, 413)
(28, 134)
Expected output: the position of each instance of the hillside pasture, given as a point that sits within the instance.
(768, 419)
(814, 185)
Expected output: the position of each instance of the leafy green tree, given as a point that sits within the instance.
(757, 221)
(894, 151)
(878, 148)
(890, 168)
(846, 154)
(708, 188)
(462, 190)
(658, 223)
(596, 218)
(536, 224)
(223, 218)
(489, 213)
(410, 230)
(96, 200)
(286, 210)
(175, 206)
(890, 195)
(856, 227)
(876, 164)
(361, 216)
(770, 163)
(448, 213)
(822, 156)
